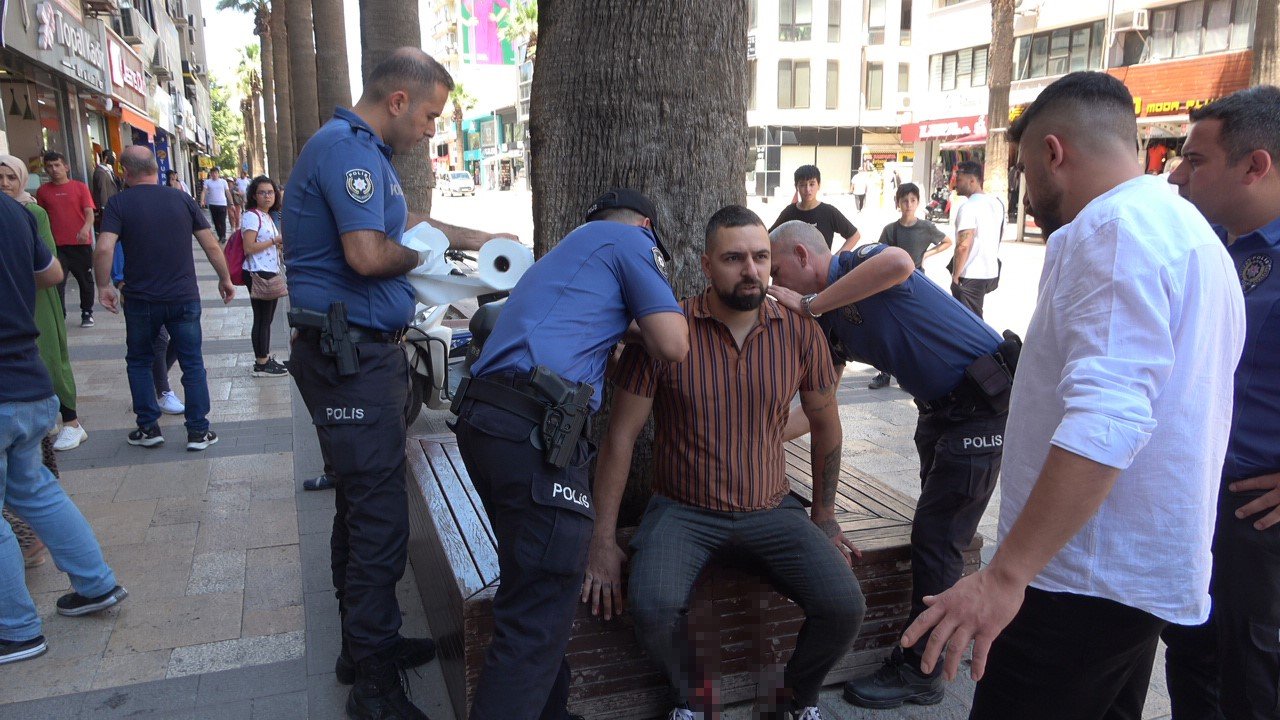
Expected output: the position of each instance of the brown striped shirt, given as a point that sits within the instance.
(720, 414)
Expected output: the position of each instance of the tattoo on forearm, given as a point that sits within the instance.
(830, 477)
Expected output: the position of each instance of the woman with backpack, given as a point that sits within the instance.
(263, 269)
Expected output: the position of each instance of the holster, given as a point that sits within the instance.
(558, 409)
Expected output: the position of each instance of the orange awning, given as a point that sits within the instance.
(140, 122)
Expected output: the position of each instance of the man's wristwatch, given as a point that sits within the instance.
(804, 303)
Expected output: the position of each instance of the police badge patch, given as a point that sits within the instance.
(850, 314)
(360, 185)
(1255, 270)
(659, 260)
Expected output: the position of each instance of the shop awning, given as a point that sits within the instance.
(137, 120)
(966, 141)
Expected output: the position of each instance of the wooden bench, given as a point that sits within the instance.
(455, 560)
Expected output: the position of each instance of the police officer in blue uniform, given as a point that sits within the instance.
(1229, 667)
(520, 432)
(876, 308)
(344, 216)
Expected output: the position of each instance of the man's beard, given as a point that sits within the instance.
(1048, 214)
(738, 299)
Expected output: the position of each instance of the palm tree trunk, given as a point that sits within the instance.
(1266, 44)
(302, 72)
(1000, 65)
(263, 28)
(384, 26)
(284, 99)
(259, 161)
(612, 105)
(331, 59)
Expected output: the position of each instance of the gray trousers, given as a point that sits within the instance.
(675, 543)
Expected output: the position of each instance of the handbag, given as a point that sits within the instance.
(268, 288)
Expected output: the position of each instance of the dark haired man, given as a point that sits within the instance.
(70, 207)
(601, 282)
(721, 482)
(875, 307)
(1118, 426)
(975, 270)
(344, 215)
(823, 216)
(106, 183)
(1230, 666)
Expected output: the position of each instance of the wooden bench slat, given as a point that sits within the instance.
(454, 549)
(472, 530)
(455, 459)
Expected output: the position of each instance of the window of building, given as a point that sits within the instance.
(875, 86)
(1058, 52)
(959, 69)
(751, 14)
(905, 23)
(1200, 26)
(833, 20)
(833, 84)
(904, 77)
(947, 3)
(795, 20)
(875, 22)
(752, 72)
(793, 84)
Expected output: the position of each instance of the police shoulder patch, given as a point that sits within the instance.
(1254, 272)
(865, 250)
(659, 260)
(360, 185)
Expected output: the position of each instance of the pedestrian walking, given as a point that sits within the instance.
(859, 187)
(1229, 667)
(876, 307)
(105, 184)
(721, 482)
(344, 216)
(543, 339)
(175, 181)
(155, 224)
(216, 195)
(263, 265)
(70, 207)
(975, 269)
(163, 355)
(1119, 423)
(49, 317)
(27, 411)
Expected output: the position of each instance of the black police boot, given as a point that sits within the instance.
(409, 653)
(896, 682)
(379, 693)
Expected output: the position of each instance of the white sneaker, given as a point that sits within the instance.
(170, 404)
(684, 714)
(809, 713)
(70, 437)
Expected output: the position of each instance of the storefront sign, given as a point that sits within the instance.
(952, 127)
(1167, 107)
(47, 33)
(128, 79)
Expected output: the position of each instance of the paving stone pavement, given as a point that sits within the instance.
(231, 611)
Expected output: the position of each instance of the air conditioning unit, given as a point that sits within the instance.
(130, 25)
(1132, 20)
(198, 69)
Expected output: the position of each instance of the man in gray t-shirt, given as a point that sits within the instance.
(920, 238)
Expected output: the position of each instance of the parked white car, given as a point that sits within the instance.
(457, 182)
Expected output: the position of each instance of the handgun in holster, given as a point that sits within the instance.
(335, 335)
(565, 418)
(993, 373)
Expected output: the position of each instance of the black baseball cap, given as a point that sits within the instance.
(630, 200)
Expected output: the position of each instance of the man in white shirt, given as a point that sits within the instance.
(217, 196)
(1120, 414)
(975, 269)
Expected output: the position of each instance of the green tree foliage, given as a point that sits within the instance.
(228, 126)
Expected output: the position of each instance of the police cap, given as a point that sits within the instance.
(629, 199)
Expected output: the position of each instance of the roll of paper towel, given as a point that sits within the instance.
(502, 262)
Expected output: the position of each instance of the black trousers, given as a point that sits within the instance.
(1069, 657)
(960, 448)
(218, 213)
(77, 261)
(542, 539)
(1229, 667)
(971, 292)
(264, 312)
(360, 423)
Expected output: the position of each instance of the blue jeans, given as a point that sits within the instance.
(143, 321)
(31, 491)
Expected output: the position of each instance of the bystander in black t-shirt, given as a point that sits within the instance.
(155, 224)
(826, 218)
(23, 377)
(916, 239)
